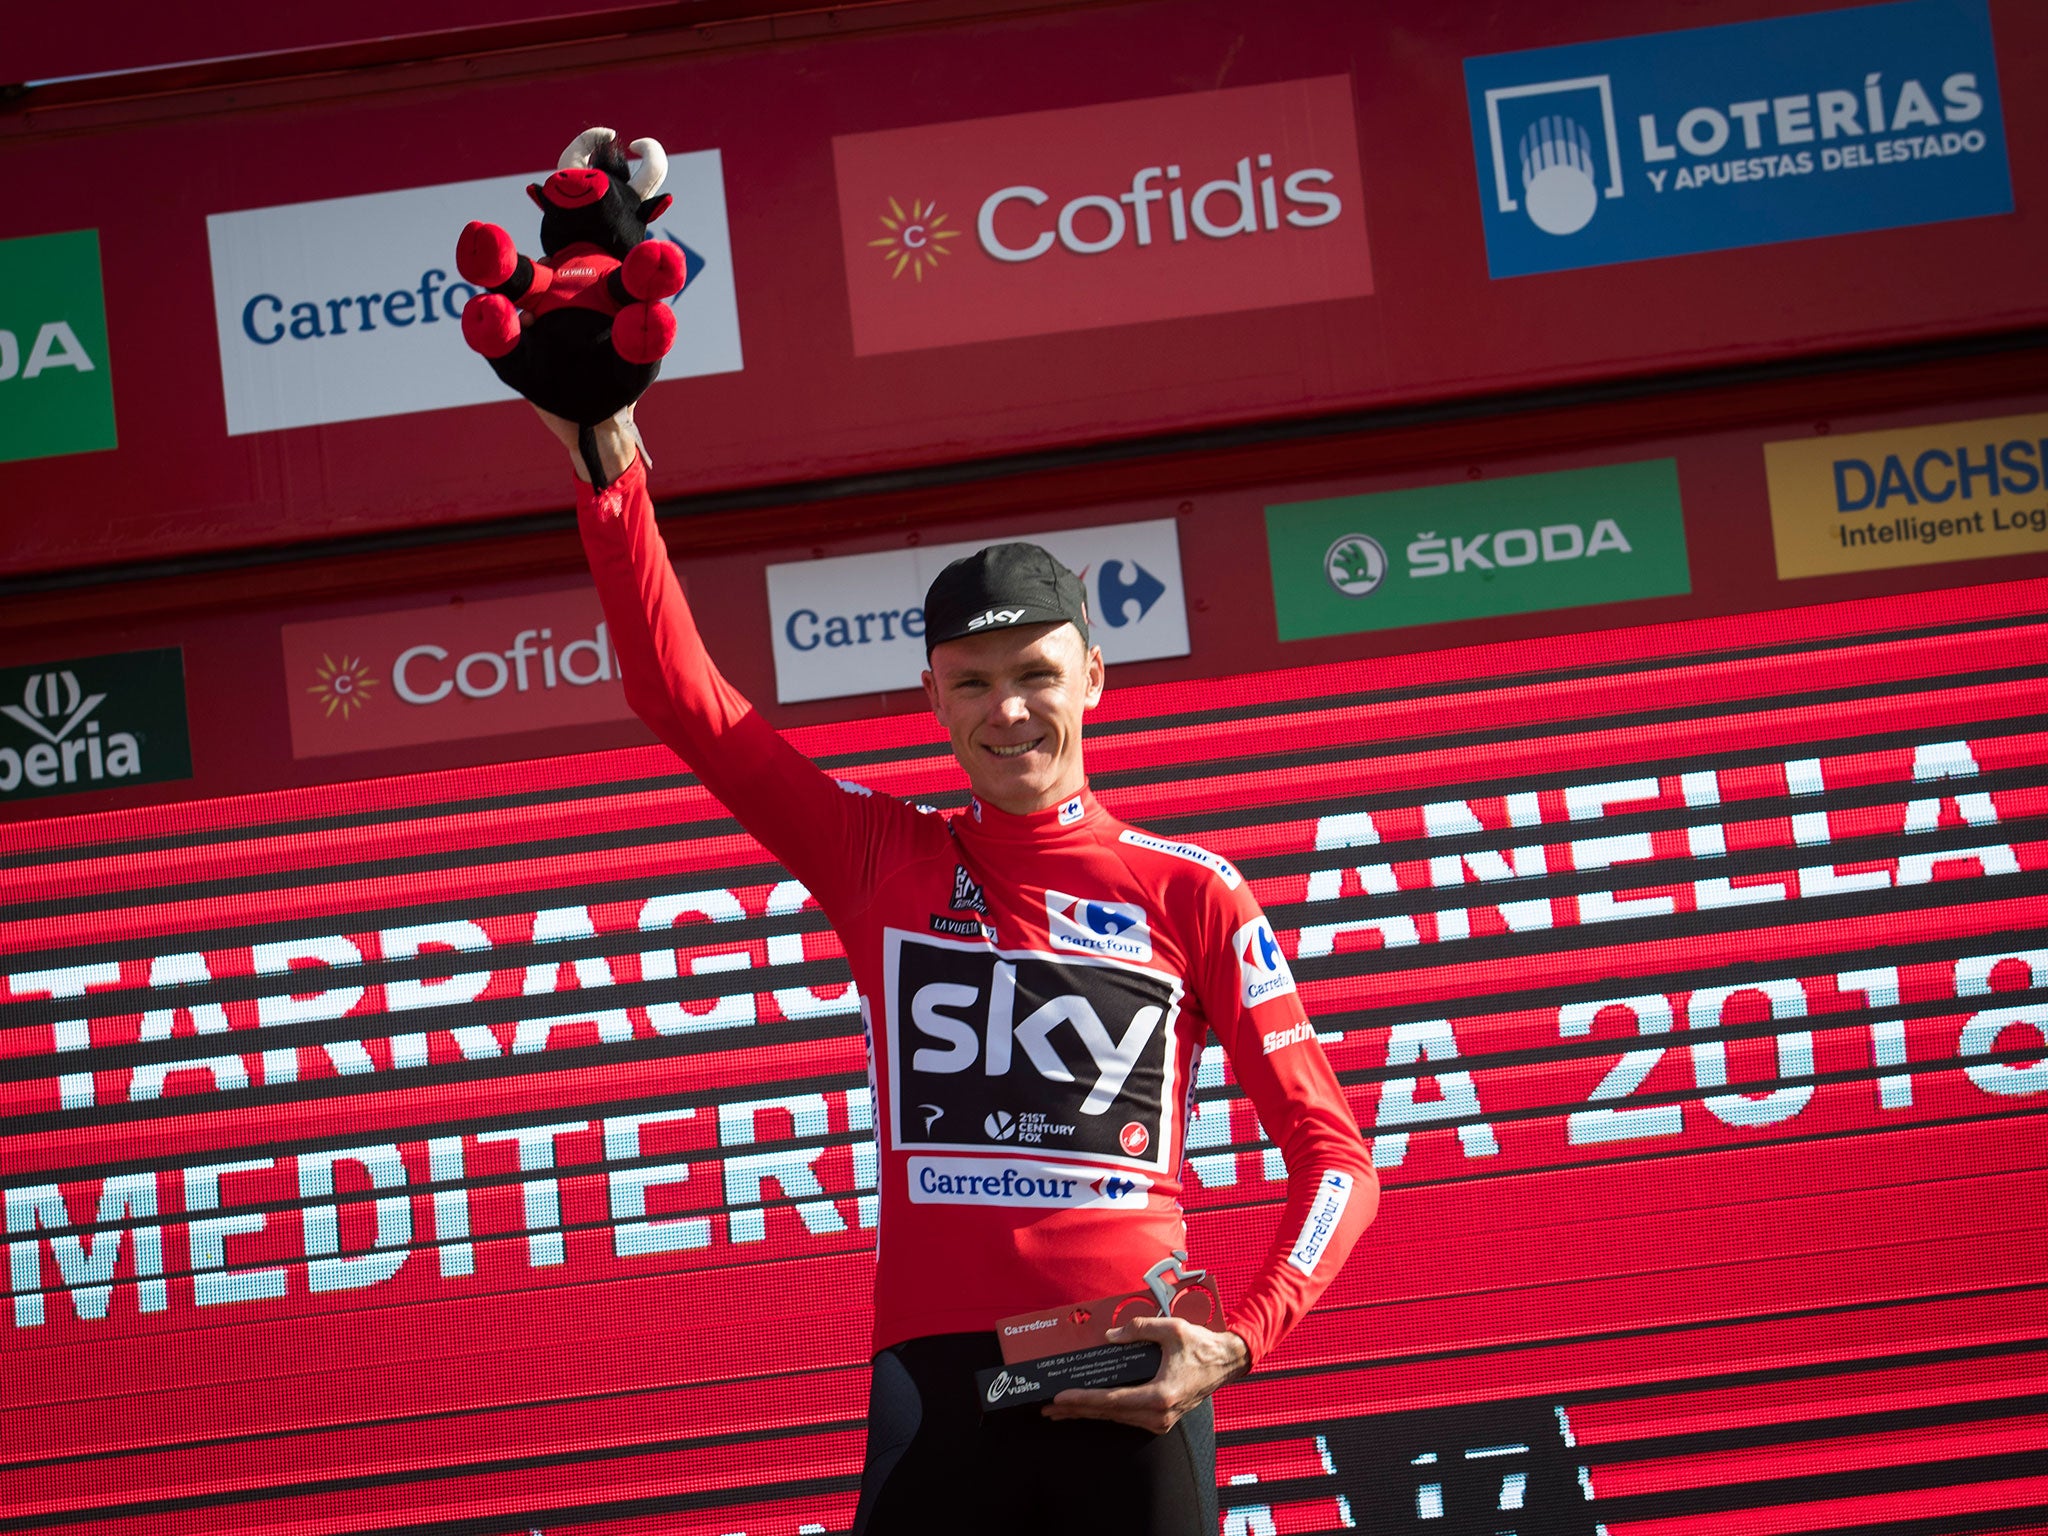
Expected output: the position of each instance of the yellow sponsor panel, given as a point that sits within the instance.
(1960, 490)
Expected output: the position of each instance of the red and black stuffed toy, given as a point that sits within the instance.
(582, 331)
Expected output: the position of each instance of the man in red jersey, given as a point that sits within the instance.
(1037, 981)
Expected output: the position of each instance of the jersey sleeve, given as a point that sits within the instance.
(1332, 1191)
(822, 831)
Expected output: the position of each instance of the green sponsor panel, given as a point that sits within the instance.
(95, 723)
(1476, 549)
(56, 385)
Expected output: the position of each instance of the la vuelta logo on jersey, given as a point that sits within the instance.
(1201, 204)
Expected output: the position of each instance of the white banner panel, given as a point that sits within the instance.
(350, 307)
(855, 624)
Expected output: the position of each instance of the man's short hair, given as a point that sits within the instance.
(1001, 587)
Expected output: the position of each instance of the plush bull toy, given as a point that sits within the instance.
(582, 331)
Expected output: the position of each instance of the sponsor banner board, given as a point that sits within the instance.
(855, 623)
(99, 722)
(1963, 490)
(350, 307)
(1526, 544)
(56, 384)
(1038, 222)
(449, 672)
(1715, 138)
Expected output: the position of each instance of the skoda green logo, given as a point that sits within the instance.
(1356, 565)
(56, 386)
(1476, 549)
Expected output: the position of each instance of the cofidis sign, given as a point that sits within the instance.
(1963, 490)
(1199, 204)
(1708, 140)
(450, 672)
(351, 308)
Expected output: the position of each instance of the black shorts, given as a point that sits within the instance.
(936, 1463)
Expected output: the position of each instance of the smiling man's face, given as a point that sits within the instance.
(1011, 701)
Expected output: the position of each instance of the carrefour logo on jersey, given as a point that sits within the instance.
(1831, 123)
(1199, 204)
(1262, 971)
(855, 623)
(1118, 928)
(451, 671)
(1007, 1181)
(349, 307)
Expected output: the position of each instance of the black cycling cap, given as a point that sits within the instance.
(1000, 587)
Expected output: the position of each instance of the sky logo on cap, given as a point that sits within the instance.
(1262, 971)
(1116, 928)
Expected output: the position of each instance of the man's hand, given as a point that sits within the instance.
(1193, 1362)
(618, 442)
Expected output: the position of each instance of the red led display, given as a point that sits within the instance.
(491, 1151)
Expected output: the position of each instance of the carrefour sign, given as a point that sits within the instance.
(855, 624)
(1716, 138)
(350, 307)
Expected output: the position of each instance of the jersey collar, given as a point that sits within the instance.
(985, 820)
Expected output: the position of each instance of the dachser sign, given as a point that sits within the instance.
(1203, 204)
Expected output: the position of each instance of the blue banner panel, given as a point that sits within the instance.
(1713, 139)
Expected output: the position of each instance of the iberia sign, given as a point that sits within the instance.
(1201, 204)
(449, 672)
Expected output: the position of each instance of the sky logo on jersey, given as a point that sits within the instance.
(1324, 1212)
(1831, 123)
(1016, 1182)
(1118, 928)
(1262, 971)
(1024, 1050)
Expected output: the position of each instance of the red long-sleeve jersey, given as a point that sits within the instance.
(1036, 992)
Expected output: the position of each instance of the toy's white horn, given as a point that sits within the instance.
(583, 147)
(653, 168)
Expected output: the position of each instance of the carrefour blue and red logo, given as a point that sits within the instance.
(1262, 971)
(1832, 123)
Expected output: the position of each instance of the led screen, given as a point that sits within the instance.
(491, 1151)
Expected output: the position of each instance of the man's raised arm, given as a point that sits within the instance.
(801, 815)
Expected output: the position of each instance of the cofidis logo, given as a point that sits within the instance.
(1833, 123)
(350, 307)
(450, 672)
(1096, 216)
